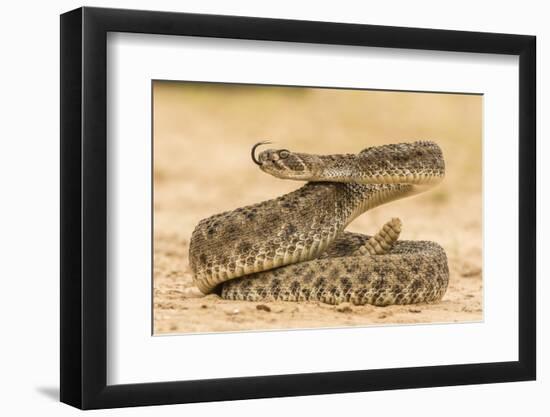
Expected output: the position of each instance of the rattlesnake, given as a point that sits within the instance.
(294, 247)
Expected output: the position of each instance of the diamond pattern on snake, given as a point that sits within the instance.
(295, 247)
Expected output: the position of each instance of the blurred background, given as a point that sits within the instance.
(203, 133)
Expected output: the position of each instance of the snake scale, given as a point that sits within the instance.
(295, 247)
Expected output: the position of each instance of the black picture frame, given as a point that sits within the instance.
(83, 312)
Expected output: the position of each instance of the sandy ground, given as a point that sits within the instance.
(202, 138)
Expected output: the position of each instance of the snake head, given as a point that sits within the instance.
(282, 163)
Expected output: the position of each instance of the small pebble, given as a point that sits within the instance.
(192, 292)
(204, 306)
(212, 297)
(344, 308)
(234, 312)
(415, 310)
(263, 307)
(470, 270)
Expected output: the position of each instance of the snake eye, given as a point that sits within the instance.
(284, 154)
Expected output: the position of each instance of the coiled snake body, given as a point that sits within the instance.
(294, 247)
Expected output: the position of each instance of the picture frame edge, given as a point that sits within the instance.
(83, 181)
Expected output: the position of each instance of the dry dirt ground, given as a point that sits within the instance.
(202, 138)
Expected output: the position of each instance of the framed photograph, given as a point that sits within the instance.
(257, 208)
